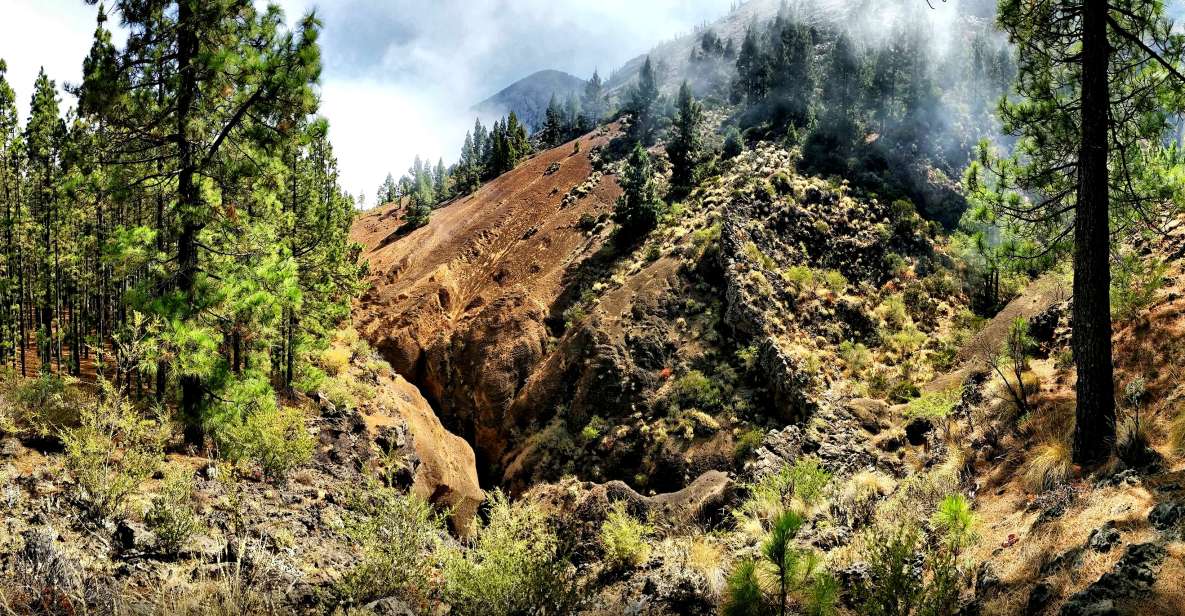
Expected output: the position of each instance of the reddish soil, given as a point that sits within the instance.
(458, 306)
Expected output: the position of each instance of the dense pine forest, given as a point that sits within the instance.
(825, 307)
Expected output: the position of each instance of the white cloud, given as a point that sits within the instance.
(55, 34)
(400, 76)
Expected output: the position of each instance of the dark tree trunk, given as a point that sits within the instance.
(1094, 431)
(187, 44)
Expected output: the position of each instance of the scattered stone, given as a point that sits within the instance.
(11, 448)
(1069, 559)
(135, 536)
(389, 606)
(681, 590)
(1132, 575)
(1039, 598)
(869, 413)
(1166, 515)
(1103, 539)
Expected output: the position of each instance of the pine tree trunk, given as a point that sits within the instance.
(1094, 431)
(191, 386)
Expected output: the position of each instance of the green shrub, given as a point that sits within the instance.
(799, 277)
(171, 516)
(694, 390)
(805, 480)
(893, 312)
(111, 451)
(748, 442)
(794, 576)
(595, 428)
(512, 565)
(760, 258)
(44, 405)
(335, 360)
(934, 405)
(623, 538)
(835, 281)
(272, 437)
(734, 143)
(910, 573)
(397, 535)
(1135, 283)
(855, 356)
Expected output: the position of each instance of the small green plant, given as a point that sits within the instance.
(111, 451)
(273, 437)
(335, 360)
(44, 405)
(595, 428)
(694, 390)
(794, 576)
(893, 312)
(748, 357)
(623, 538)
(855, 356)
(800, 278)
(934, 405)
(748, 442)
(911, 573)
(805, 481)
(835, 281)
(1135, 283)
(397, 535)
(573, 315)
(512, 565)
(171, 516)
(760, 258)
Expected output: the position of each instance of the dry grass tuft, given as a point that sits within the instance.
(1049, 467)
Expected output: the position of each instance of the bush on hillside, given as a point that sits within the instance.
(511, 565)
(398, 535)
(623, 538)
(171, 516)
(111, 451)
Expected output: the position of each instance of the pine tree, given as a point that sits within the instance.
(553, 126)
(594, 99)
(752, 70)
(213, 97)
(637, 210)
(44, 134)
(387, 192)
(12, 304)
(1098, 83)
(686, 146)
(642, 101)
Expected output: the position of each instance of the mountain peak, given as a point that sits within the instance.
(529, 96)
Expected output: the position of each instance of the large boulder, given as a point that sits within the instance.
(438, 465)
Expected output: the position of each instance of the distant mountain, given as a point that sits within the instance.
(528, 97)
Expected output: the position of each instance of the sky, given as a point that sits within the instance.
(399, 76)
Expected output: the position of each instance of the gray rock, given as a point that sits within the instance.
(390, 606)
(681, 590)
(11, 448)
(1039, 598)
(1132, 575)
(1103, 539)
(131, 535)
(1166, 515)
(917, 430)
